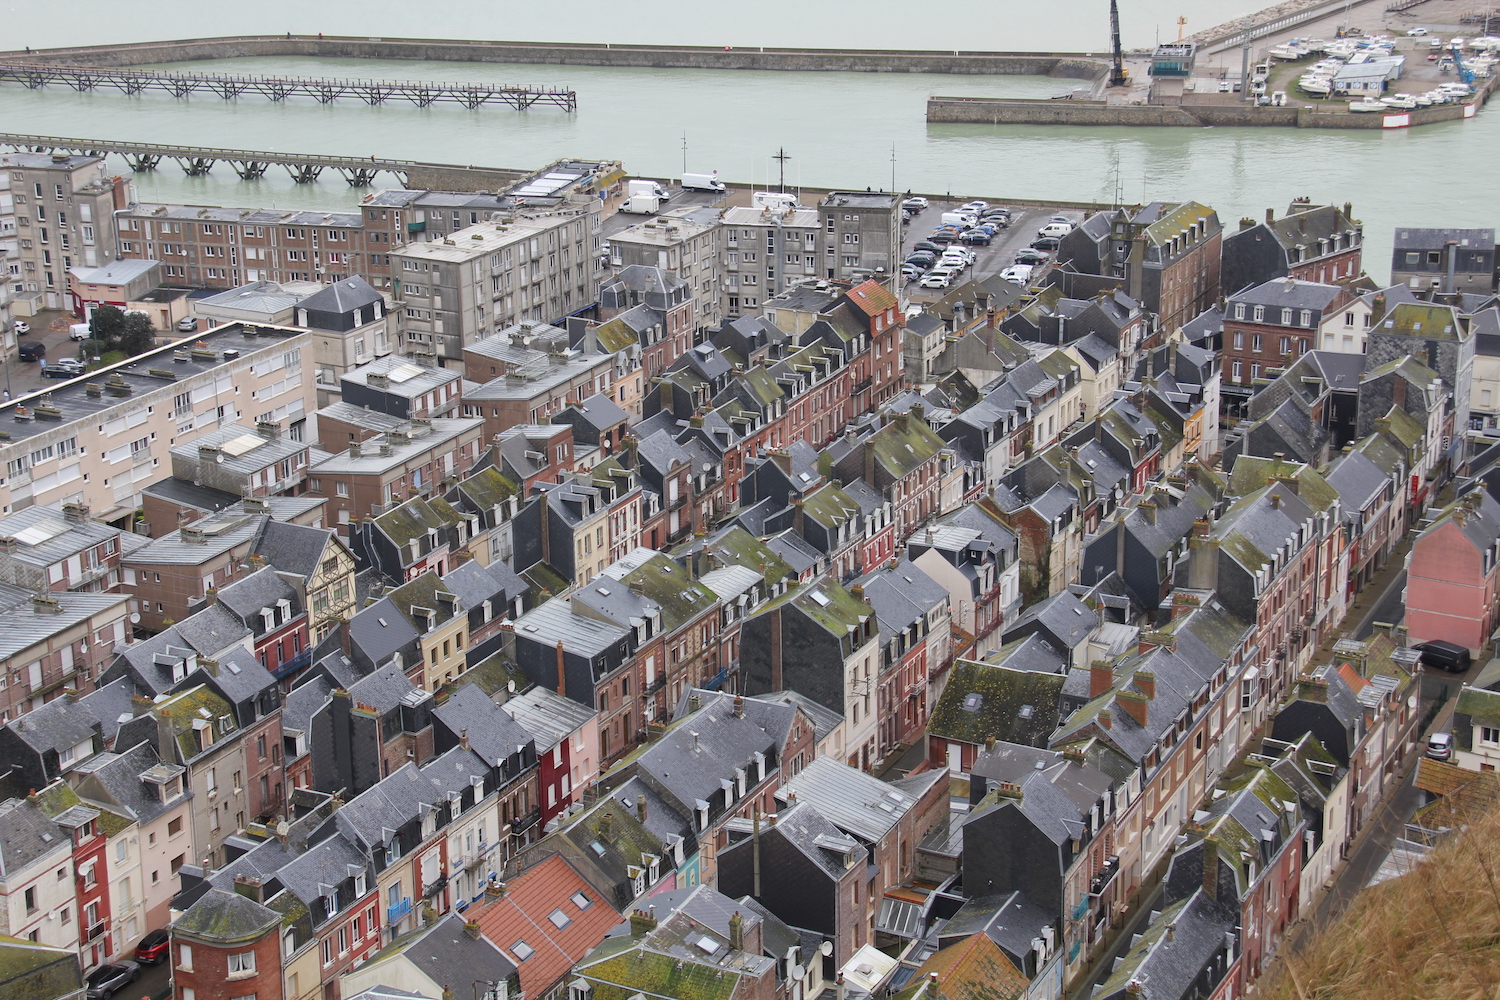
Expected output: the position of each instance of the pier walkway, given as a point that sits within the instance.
(250, 164)
(37, 75)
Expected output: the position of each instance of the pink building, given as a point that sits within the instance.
(1453, 574)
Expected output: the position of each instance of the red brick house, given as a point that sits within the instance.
(1453, 576)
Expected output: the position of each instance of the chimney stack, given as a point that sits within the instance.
(737, 932)
(562, 677)
(1101, 677)
(1211, 868)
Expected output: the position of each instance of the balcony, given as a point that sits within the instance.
(434, 887)
(519, 826)
(862, 386)
(397, 912)
(296, 663)
(657, 684)
(416, 227)
(94, 932)
(1104, 876)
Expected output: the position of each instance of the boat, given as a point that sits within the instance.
(1286, 52)
(1319, 85)
(1400, 102)
(1367, 106)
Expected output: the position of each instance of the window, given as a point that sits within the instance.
(1239, 339)
(174, 826)
(559, 919)
(522, 951)
(185, 957)
(1489, 735)
(31, 899)
(1239, 370)
(241, 963)
(327, 951)
(187, 993)
(1256, 343)
(581, 901)
(1247, 694)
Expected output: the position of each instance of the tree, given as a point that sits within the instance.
(138, 334)
(106, 326)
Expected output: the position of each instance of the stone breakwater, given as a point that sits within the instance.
(1058, 64)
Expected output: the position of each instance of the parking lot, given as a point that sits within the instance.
(22, 377)
(999, 255)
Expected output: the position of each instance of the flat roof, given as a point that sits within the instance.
(424, 437)
(406, 377)
(253, 216)
(487, 237)
(71, 396)
(120, 272)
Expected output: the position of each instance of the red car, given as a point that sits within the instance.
(153, 948)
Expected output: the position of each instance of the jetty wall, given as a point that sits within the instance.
(1077, 65)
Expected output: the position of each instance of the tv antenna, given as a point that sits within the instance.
(782, 156)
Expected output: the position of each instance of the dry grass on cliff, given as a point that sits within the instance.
(1433, 934)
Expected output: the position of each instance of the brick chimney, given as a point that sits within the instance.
(1146, 681)
(640, 807)
(1203, 558)
(562, 676)
(248, 887)
(471, 928)
(737, 932)
(1133, 703)
(1101, 677)
(642, 922)
(1313, 689)
(1106, 718)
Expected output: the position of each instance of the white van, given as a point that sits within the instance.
(967, 220)
(702, 182)
(1056, 229)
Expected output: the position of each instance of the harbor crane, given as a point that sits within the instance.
(1117, 75)
(1464, 73)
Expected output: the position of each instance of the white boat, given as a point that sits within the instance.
(1286, 52)
(1322, 86)
(1367, 106)
(1400, 102)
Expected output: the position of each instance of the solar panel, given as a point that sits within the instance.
(403, 372)
(241, 445)
(39, 533)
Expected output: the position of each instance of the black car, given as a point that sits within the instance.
(926, 258)
(1444, 655)
(926, 245)
(33, 350)
(976, 238)
(1048, 243)
(105, 980)
(944, 237)
(65, 368)
(1029, 256)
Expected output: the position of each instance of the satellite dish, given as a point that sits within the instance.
(135, 619)
(826, 948)
(798, 972)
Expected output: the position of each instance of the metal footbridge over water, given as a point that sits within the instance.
(37, 75)
(250, 164)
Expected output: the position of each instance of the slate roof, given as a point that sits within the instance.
(1436, 239)
(704, 748)
(445, 950)
(860, 804)
(27, 836)
(119, 775)
(1357, 480)
(1063, 616)
(384, 689)
(57, 725)
(298, 707)
(1172, 963)
(381, 629)
(1011, 921)
(824, 719)
(492, 733)
(293, 548)
(342, 296)
(805, 828)
(902, 596)
(109, 702)
(1288, 292)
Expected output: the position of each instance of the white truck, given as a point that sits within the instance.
(778, 201)
(703, 182)
(649, 188)
(641, 204)
(968, 220)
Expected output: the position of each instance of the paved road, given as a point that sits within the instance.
(1389, 608)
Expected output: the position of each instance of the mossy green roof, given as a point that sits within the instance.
(1483, 707)
(421, 592)
(641, 970)
(494, 673)
(543, 577)
(182, 710)
(840, 611)
(1127, 964)
(1002, 694)
(1177, 220)
(741, 548)
(488, 487)
(616, 335)
(290, 908)
(761, 385)
(902, 445)
(1405, 428)
(226, 918)
(1422, 319)
(660, 579)
(31, 971)
(112, 823)
(830, 505)
(56, 799)
(413, 518)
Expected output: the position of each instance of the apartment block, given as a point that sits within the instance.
(685, 242)
(56, 211)
(126, 418)
(861, 234)
(485, 278)
(766, 252)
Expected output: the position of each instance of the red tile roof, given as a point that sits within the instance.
(1352, 678)
(523, 915)
(871, 297)
(974, 969)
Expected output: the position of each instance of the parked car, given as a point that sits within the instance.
(1056, 229)
(976, 206)
(1017, 274)
(188, 324)
(1440, 746)
(1030, 256)
(64, 368)
(105, 980)
(1444, 655)
(923, 257)
(976, 238)
(916, 202)
(912, 272)
(927, 245)
(1048, 243)
(152, 949)
(944, 236)
(22, 328)
(33, 350)
(939, 278)
(1416, 32)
